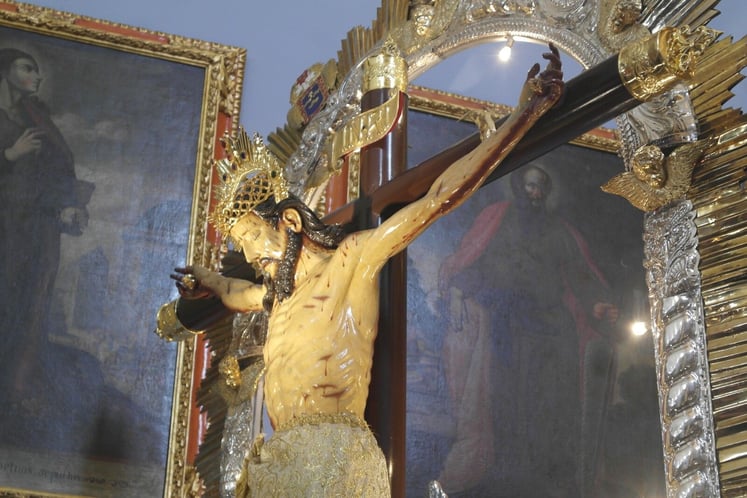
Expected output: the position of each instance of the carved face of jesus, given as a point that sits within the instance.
(260, 242)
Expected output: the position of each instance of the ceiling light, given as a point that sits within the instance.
(505, 53)
(638, 328)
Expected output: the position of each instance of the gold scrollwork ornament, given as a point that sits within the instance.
(365, 128)
(651, 66)
(386, 69)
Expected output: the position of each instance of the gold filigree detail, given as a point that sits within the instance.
(412, 35)
(656, 180)
(250, 175)
(229, 370)
(651, 66)
(354, 176)
(344, 418)
(334, 459)
(387, 69)
(493, 8)
(365, 128)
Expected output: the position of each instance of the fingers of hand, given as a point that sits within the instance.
(181, 273)
(553, 56)
(32, 135)
(534, 71)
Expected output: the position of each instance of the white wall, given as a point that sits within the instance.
(282, 38)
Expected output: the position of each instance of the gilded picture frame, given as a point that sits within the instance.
(94, 403)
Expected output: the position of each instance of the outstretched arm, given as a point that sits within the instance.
(460, 180)
(195, 282)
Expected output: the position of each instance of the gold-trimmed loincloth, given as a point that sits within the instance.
(316, 456)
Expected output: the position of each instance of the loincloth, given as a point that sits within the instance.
(317, 456)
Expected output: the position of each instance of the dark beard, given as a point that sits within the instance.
(282, 286)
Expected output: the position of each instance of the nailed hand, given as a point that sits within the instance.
(543, 90)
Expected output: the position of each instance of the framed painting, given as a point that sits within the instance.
(108, 134)
(523, 375)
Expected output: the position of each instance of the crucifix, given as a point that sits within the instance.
(392, 210)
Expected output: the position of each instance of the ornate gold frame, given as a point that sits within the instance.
(223, 68)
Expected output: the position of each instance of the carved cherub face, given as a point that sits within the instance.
(422, 14)
(648, 166)
(625, 14)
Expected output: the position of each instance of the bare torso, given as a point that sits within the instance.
(319, 345)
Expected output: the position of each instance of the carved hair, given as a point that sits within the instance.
(327, 236)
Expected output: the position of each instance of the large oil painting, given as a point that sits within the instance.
(523, 376)
(106, 133)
